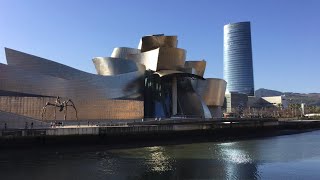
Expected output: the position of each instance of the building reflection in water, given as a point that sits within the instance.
(238, 161)
(199, 161)
(159, 160)
(282, 157)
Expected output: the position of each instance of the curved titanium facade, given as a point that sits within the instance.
(148, 43)
(30, 70)
(107, 66)
(212, 91)
(14, 79)
(237, 52)
(199, 66)
(161, 58)
(123, 52)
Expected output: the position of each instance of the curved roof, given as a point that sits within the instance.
(123, 52)
(107, 66)
(15, 79)
(80, 84)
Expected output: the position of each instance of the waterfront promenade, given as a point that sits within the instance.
(108, 131)
(67, 128)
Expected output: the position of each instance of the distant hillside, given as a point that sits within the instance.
(311, 99)
(267, 92)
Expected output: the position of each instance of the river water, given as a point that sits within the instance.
(294, 156)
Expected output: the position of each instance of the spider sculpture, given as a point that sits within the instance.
(63, 106)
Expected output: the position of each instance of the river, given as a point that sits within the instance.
(294, 156)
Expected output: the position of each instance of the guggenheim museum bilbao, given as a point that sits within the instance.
(151, 81)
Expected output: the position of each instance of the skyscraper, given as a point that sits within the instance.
(237, 58)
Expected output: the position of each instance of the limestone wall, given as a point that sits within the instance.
(87, 109)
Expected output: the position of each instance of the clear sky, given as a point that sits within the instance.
(285, 33)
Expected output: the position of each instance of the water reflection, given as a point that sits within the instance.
(193, 161)
(234, 155)
(107, 164)
(286, 157)
(158, 161)
(237, 161)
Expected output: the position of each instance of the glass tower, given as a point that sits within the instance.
(237, 58)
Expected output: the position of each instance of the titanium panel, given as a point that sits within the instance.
(212, 91)
(107, 66)
(163, 58)
(77, 84)
(199, 66)
(123, 52)
(206, 110)
(189, 101)
(40, 65)
(148, 43)
(14, 79)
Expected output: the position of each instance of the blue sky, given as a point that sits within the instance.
(285, 33)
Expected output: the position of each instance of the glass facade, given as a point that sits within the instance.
(237, 58)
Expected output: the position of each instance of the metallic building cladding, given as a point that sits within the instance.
(15, 79)
(149, 59)
(212, 91)
(108, 66)
(199, 66)
(238, 67)
(189, 102)
(148, 43)
(158, 74)
(123, 52)
(74, 83)
(171, 58)
(161, 58)
(92, 94)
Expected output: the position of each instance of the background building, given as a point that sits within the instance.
(267, 102)
(235, 102)
(277, 101)
(237, 58)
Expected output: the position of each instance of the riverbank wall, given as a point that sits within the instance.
(170, 131)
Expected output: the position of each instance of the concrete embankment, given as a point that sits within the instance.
(164, 130)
